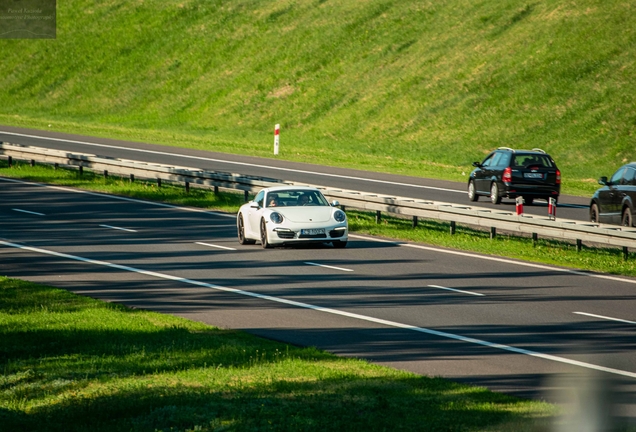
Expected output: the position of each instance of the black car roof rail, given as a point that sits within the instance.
(538, 150)
(505, 148)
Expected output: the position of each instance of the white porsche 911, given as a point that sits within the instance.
(285, 215)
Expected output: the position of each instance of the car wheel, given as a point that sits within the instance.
(472, 193)
(626, 220)
(264, 241)
(339, 244)
(495, 198)
(240, 227)
(594, 213)
(528, 200)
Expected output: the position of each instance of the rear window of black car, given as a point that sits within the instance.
(532, 160)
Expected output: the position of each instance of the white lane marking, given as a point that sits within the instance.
(402, 244)
(29, 212)
(605, 317)
(496, 259)
(214, 246)
(330, 311)
(120, 198)
(456, 290)
(329, 267)
(233, 162)
(118, 228)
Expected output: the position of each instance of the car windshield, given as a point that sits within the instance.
(298, 197)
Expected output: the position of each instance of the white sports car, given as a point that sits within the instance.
(285, 215)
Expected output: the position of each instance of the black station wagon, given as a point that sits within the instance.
(511, 173)
(614, 202)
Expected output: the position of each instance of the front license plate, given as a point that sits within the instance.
(315, 231)
(533, 175)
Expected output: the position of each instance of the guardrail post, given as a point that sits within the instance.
(493, 232)
(378, 216)
(535, 237)
(216, 190)
(414, 221)
(56, 166)
(625, 253)
(81, 170)
(187, 186)
(579, 245)
(453, 225)
(32, 162)
(105, 174)
(132, 178)
(158, 182)
(246, 196)
(10, 160)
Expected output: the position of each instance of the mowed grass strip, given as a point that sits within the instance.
(430, 232)
(71, 363)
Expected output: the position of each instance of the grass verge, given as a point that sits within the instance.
(71, 363)
(606, 260)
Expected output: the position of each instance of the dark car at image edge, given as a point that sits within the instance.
(508, 173)
(614, 202)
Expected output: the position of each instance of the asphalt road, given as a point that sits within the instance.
(570, 207)
(507, 325)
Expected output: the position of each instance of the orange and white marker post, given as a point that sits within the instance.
(276, 138)
(552, 208)
(519, 205)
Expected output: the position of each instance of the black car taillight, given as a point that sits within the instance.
(558, 177)
(507, 175)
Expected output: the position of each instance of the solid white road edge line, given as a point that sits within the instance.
(29, 212)
(233, 162)
(456, 290)
(118, 228)
(214, 246)
(329, 267)
(492, 258)
(330, 311)
(605, 317)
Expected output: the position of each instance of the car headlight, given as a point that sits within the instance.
(339, 216)
(276, 217)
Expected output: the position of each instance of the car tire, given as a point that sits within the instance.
(264, 240)
(339, 244)
(472, 193)
(240, 228)
(627, 220)
(495, 198)
(594, 213)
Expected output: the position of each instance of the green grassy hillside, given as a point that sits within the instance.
(408, 86)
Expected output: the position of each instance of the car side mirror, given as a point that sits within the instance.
(477, 164)
(602, 181)
(254, 205)
(335, 203)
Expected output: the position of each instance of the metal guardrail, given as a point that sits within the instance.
(609, 235)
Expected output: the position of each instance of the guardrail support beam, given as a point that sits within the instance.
(625, 253)
(158, 182)
(378, 216)
(81, 170)
(216, 190)
(535, 237)
(414, 221)
(105, 174)
(579, 245)
(10, 160)
(246, 196)
(187, 187)
(132, 178)
(453, 227)
(32, 162)
(493, 232)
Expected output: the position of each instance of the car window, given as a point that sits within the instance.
(533, 160)
(496, 160)
(616, 178)
(488, 161)
(505, 159)
(628, 177)
(260, 198)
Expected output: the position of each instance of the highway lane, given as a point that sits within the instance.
(489, 321)
(570, 207)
